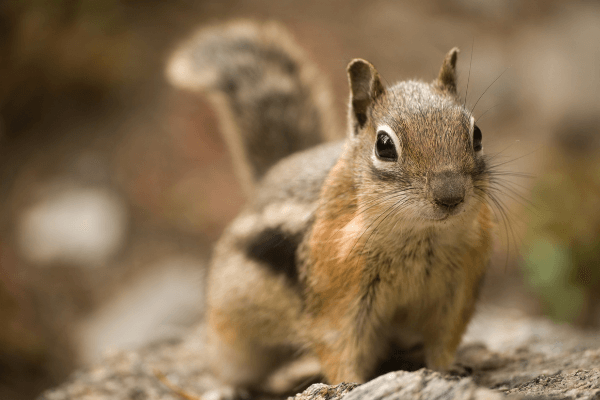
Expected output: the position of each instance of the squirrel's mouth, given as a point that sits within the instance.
(442, 212)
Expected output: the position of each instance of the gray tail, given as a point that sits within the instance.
(270, 99)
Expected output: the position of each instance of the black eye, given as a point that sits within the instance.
(477, 139)
(385, 148)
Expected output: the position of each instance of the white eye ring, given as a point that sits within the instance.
(472, 136)
(390, 132)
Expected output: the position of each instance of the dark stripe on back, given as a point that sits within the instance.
(276, 249)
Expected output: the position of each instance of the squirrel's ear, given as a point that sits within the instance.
(365, 87)
(446, 80)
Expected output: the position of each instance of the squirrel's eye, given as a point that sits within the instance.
(385, 148)
(477, 139)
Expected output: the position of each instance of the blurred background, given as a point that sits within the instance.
(114, 185)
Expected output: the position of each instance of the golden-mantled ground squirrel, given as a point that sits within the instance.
(358, 254)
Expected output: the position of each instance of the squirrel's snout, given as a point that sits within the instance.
(449, 202)
(448, 189)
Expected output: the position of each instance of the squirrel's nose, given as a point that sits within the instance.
(448, 189)
(449, 201)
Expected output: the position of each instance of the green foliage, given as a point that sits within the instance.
(562, 248)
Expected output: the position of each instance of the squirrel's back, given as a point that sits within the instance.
(271, 100)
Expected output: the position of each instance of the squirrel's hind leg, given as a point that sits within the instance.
(240, 363)
(253, 317)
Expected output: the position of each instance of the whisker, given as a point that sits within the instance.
(508, 224)
(360, 211)
(469, 77)
(393, 209)
(486, 111)
(496, 155)
(490, 85)
(387, 212)
(515, 159)
(369, 227)
(523, 175)
(506, 185)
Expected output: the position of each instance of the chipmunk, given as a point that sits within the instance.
(349, 253)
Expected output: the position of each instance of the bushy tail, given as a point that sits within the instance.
(270, 99)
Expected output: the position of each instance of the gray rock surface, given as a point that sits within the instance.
(422, 384)
(320, 391)
(504, 354)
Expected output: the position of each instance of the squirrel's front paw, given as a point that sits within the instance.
(460, 370)
(444, 362)
(438, 359)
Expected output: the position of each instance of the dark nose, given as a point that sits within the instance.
(448, 189)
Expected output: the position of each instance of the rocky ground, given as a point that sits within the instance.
(504, 354)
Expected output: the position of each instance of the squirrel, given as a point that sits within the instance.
(353, 254)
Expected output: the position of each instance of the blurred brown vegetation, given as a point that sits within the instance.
(110, 177)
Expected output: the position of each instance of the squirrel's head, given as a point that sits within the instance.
(416, 145)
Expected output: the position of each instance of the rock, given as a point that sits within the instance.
(505, 354)
(320, 391)
(572, 385)
(422, 384)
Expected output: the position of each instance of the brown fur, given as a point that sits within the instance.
(338, 277)
(343, 254)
